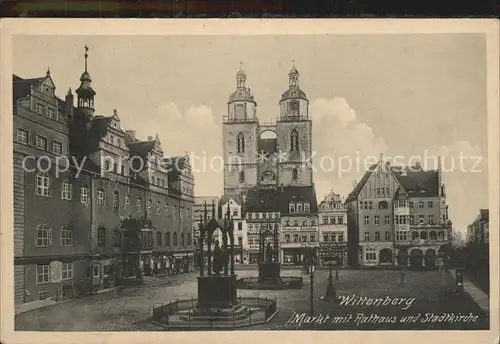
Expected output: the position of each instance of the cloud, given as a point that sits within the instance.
(195, 131)
(340, 137)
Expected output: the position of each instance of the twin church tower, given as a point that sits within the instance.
(267, 155)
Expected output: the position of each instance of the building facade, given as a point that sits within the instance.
(332, 231)
(234, 206)
(398, 216)
(478, 230)
(84, 217)
(269, 166)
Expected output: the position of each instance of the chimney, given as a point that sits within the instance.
(150, 138)
(130, 133)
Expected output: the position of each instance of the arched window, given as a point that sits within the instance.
(189, 239)
(433, 235)
(295, 174)
(175, 239)
(241, 143)
(382, 205)
(167, 239)
(423, 235)
(116, 201)
(182, 239)
(294, 141)
(414, 235)
(42, 184)
(242, 176)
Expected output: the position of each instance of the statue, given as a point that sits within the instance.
(269, 253)
(218, 258)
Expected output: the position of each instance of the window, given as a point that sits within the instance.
(332, 220)
(295, 223)
(42, 295)
(387, 236)
(433, 235)
(367, 236)
(166, 209)
(377, 236)
(84, 195)
(294, 141)
(101, 236)
(158, 239)
(67, 190)
(287, 237)
(22, 136)
(382, 205)
(370, 205)
(42, 185)
(96, 270)
(420, 204)
(41, 142)
(325, 237)
(377, 219)
(430, 204)
(371, 255)
(367, 220)
(325, 220)
(313, 223)
(174, 210)
(235, 213)
(295, 174)
(42, 274)
(67, 271)
(240, 241)
(341, 237)
(182, 239)
(158, 208)
(431, 220)
(127, 201)
(175, 239)
(410, 204)
(100, 197)
(150, 205)
(40, 108)
(291, 207)
(240, 226)
(242, 176)
(167, 239)
(340, 220)
(295, 238)
(387, 220)
(139, 204)
(57, 148)
(312, 238)
(304, 238)
(66, 236)
(43, 235)
(240, 139)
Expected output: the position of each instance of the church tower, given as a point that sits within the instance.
(294, 134)
(85, 92)
(240, 139)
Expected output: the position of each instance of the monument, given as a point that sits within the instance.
(269, 264)
(217, 289)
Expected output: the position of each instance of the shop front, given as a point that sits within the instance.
(334, 254)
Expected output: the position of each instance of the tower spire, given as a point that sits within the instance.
(86, 55)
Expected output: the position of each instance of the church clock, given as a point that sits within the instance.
(293, 107)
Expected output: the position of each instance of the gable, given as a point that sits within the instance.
(381, 183)
(48, 82)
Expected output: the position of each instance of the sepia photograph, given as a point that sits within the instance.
(221, 182)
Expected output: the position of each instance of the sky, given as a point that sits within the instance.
(407, 95)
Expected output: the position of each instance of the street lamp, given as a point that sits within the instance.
(311, 269)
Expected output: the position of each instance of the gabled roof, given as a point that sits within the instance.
(278, 199)
(141, 148)
(21, 87)
(400, 194)
(357, 189)
(225, 198)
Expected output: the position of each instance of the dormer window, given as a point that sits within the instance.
(292, 208)
(299, 207)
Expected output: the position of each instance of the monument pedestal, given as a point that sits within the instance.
(269, 270)
(216, 291)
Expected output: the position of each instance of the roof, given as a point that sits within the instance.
(140, 148)
(294, 92)
(415, 181)
(225, 198)
(357, 189)
(400, 194)
(241, 94)
(268, 145)
(21, 87)
(278, 199)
